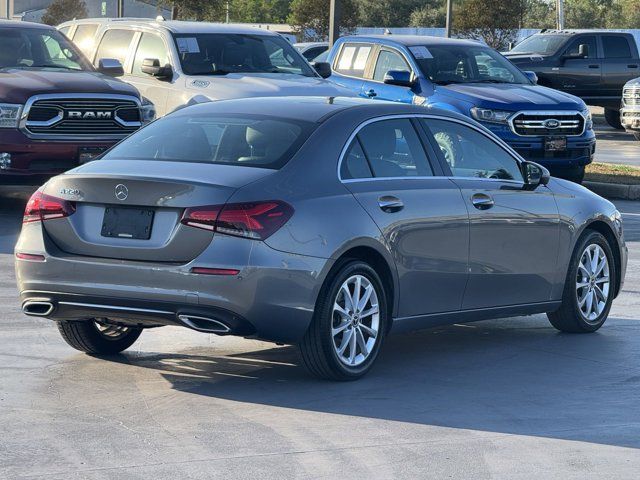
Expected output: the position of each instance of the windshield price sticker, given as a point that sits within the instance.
(420, 52)
(188, 45)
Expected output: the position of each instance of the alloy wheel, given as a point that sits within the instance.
(109, 330)
(355, 320)
(592, 282)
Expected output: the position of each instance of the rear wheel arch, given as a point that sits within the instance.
(379, 262)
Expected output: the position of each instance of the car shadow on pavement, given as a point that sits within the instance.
(517, 376)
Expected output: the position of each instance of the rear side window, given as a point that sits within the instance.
(242, 140)
(590, 41)
(352, 59)
(388, 60)
(615, 46)
(114, 44)
(152, 47)
(391, 149)
(84, 38)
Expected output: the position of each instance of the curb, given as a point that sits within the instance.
(614, 190)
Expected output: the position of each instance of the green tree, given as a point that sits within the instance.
(259, 11)
(310, 18)
(387, 13)
(539, 14)
(431, 14)
(496, 23)
(200, 10)
(62, 10)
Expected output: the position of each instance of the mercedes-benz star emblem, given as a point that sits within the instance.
(122, 192)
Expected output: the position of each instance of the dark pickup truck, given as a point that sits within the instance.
(593, 65)
(56, 110)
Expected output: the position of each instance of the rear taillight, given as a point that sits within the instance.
(257, 220)
(45, 207)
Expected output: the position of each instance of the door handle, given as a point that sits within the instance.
(371, 93)
(632, 66)
(390, 204)
(482, 201)
(594, 66)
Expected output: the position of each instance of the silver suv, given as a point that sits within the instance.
(180, 63)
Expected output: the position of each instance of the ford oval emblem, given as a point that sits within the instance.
(551, 123)
(122, 192)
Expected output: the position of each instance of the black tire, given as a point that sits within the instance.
(569, 318)
(637, 135)
(317, 349)
(612, 116)
(87, 337)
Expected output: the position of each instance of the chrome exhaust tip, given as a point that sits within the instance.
(38, 308)
(204, 324)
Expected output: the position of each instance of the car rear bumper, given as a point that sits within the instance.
(272, 297)
(33, 162)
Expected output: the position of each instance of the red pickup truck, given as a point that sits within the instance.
(56, 109)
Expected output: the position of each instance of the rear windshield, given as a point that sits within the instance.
(243, 140)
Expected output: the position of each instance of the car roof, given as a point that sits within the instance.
(312, 109)
(577, 31)
(413, 40)
(177, 26)
(18, 24)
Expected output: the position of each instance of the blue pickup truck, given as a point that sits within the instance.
(543, 125)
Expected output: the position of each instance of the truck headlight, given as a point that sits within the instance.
(147, 111)
(588, 121)
(491, 116)
(9, 115)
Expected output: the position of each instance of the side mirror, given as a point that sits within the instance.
(111, 67)
(323, 69)
(583, 50)
(533, 78)
(151, 66)
(534, 175)
(401, 78)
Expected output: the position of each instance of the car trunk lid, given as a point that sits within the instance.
(131, 210)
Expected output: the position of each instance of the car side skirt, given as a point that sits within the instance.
(408, 324)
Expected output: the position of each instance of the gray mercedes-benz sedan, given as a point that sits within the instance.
(322, 222)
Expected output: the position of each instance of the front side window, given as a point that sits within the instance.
(38, 48)
(469, 153)
(387, 148)
(352, 59)
(85, 37)
(241, 140)
(615, 46)
(221, 54)
(590, 41)
(388, 60)
(150, 47)
(446, 64)
(115, 44)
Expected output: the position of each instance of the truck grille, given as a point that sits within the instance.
(631, 96)
(548, 123)
(82, 117)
